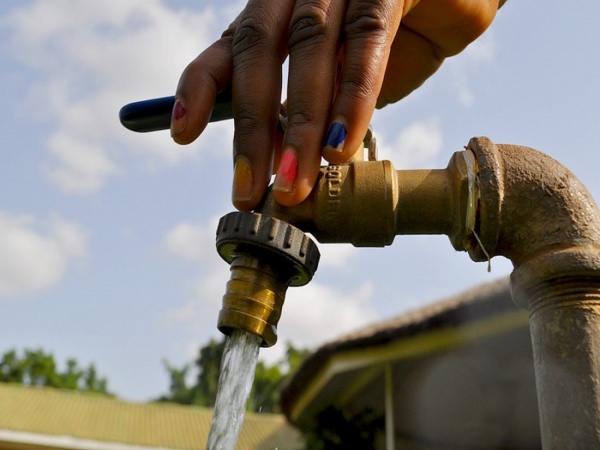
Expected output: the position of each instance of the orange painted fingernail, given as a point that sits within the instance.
(178, 118)
(243, 180)
(287, 173)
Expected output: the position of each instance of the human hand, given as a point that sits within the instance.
(345, 58)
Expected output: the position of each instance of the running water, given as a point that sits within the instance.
(235, 382)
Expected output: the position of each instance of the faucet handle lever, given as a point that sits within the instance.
(370, 143)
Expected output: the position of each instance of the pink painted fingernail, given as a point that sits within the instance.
(287, 173)
(178, 118)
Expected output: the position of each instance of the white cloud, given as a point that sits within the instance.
(92, 57)
(415, 146)
(200, 312)
(478, 52)
(81, 167)
(336, 256)
(34, 254)
(195, 242)
(316, 313)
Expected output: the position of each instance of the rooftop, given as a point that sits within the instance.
(47, 418)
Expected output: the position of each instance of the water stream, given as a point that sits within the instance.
(235, 382)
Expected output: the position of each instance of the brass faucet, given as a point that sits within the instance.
(491, 200)
(365, 203)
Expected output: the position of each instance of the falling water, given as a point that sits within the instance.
(235, 381)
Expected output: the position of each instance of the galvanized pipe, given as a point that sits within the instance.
(536, 213)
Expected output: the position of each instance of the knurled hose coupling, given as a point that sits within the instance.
(266, 256)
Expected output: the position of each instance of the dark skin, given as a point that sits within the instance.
(345, 59)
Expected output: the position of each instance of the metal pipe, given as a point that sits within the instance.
(493, 200)
(536, 213)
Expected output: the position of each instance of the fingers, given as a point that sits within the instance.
(339, 52)
(201, 81)
(258, 51)
(249, 57)
(369, 29)
(314, 40)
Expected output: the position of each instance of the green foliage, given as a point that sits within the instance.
(266, 389)
(294, 357)
(265, 392)
(178, 389)
(38, 368)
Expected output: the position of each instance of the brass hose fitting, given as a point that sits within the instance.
(266, 255)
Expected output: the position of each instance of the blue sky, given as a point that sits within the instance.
(106, 236)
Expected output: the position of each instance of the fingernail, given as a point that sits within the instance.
(287, 173)
(243, 181)
(334, 141)
(178, 118)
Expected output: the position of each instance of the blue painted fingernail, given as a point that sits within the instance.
(336, 136)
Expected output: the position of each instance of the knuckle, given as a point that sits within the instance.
(302, 117)
(250, 34)
(308, 24)
(247, 124)
(230, 31)
(368, 19)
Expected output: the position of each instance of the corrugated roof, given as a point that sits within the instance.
(54, 412)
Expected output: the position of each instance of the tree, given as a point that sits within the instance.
(209, 367)
(179, 392)
(268, 379)
(264, 396)
(204, 391)
(38, 368)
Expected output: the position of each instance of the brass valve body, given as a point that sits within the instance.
(368, 203)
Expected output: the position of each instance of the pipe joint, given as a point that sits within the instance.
(529, 205)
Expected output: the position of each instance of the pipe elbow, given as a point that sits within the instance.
(535, 212)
